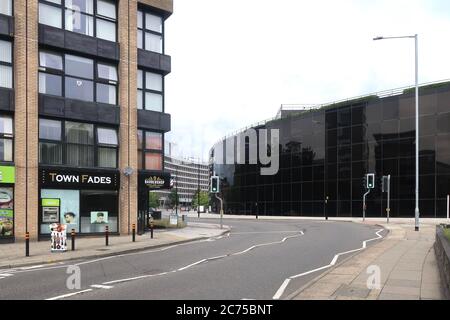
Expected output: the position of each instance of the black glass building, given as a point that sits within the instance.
(326, 151)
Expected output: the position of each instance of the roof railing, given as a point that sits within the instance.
(311, 107)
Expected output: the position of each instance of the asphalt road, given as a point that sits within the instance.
(251, 262)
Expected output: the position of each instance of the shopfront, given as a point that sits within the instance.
(7, 179)
(84, 200)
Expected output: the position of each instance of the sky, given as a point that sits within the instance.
(235, 62)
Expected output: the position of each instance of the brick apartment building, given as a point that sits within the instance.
(82, 116)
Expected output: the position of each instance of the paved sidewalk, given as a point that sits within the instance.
(13, 255)
(406, 260)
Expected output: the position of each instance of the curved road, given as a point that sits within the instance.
(258, 259)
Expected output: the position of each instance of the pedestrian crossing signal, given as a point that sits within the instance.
(215, 184)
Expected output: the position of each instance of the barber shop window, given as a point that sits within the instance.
(77, 77)
(150, 147)
(6, 138)
(77, 144)
(6, 7)
(6, 73)
(95, 18)
(150, 32)
(150, 94)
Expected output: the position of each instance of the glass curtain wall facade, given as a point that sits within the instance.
(326, 153)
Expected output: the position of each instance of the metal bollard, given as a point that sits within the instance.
(134, 232)
(72, 235)
(27, 244)
(106, 235)
(151, 229)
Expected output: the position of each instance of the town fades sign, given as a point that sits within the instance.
(78, 178)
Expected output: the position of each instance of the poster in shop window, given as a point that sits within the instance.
(99, 217)
(6, 198)
(6, 222)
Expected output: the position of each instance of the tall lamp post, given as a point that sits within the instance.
(416, 38)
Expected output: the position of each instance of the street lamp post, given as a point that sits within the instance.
(198, 190)
(416, 38)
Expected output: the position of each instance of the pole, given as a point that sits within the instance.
(134, 233)
(151, 228)
(448, 206)
(364, 204)
(221, 211)
(106, 236)
(176, 197)
(325, 208)
(198, 189)
(417, 212)
(388, 209)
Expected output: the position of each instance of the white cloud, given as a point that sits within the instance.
(234, 62)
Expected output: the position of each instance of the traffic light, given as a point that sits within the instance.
(370, 180)
(215, 183)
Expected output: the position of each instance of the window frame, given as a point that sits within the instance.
(8, 136)
(144, 30)
(95, 16)
(95, 77)
(95, 145)
(142, 148)
(144, 90)
(9, 64)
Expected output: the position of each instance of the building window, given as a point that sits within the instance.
(150, 146)
(77, 78)
(150, 91)
(150, 32)
(77, 144)
(6, 7)
(6, 74)
(6, 138)
(95, 18)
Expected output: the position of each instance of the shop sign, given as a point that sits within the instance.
(7, 174)
(154, 182)
(54, 178)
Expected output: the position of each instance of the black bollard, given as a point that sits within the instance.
(134, 232)
(27, 244)
(107, 236)
(72, 234)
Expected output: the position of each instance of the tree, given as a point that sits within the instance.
(174, 198)
(153, 200)
(204, 199)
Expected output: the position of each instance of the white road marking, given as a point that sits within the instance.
(193, 264)
(2, 278)
(283, 287)
(263, 232)
(4, 275)
(280, 291)
(100, 286)
(135, 278)
(32, 267)
(69, 295)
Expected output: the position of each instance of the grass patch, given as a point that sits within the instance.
(165, 224)
(447, 233)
